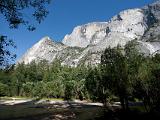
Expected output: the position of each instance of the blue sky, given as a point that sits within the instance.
(64, 16)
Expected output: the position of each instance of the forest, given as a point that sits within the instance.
(124, 74)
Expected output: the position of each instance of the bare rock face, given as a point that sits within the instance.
(84, 35)
(127, 25)
(87, 42)
(45, 49)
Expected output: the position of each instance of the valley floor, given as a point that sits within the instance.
(29, 109)
(56, 109)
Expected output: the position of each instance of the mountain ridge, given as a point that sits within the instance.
(87, 42)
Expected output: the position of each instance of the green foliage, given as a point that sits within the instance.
(54, 89)
(95, 85)
(147, 86)
(3, 89)
(68, 91)
(14, 14)
(27, 89)
(6, 56)
(39, 89)
(124, 74)
(115, 72)
(45, 80)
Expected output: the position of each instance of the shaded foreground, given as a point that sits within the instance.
(130, 115)
(68, 110)
(49, 110)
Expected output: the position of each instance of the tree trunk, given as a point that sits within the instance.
(122, 103)
(126, 104)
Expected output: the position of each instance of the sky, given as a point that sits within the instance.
(63, 16)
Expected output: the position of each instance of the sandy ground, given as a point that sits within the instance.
(30, 109)
(15, 101)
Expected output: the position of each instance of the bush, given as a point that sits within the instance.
(3, 89)
(27, 89)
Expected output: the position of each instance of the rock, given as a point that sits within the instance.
(45, 49)
(87, 42)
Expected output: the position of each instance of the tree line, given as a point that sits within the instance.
(124, 75)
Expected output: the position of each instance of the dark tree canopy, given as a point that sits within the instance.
(13, 11)
(16, 13)
(5, 54)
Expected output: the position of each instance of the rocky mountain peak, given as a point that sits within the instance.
(45, 39)
(129, 24)
(87, 42)
(82, 35)
(45, 49)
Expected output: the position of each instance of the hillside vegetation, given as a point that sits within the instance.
(124, 75)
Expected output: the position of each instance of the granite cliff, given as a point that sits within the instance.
(87, 42)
